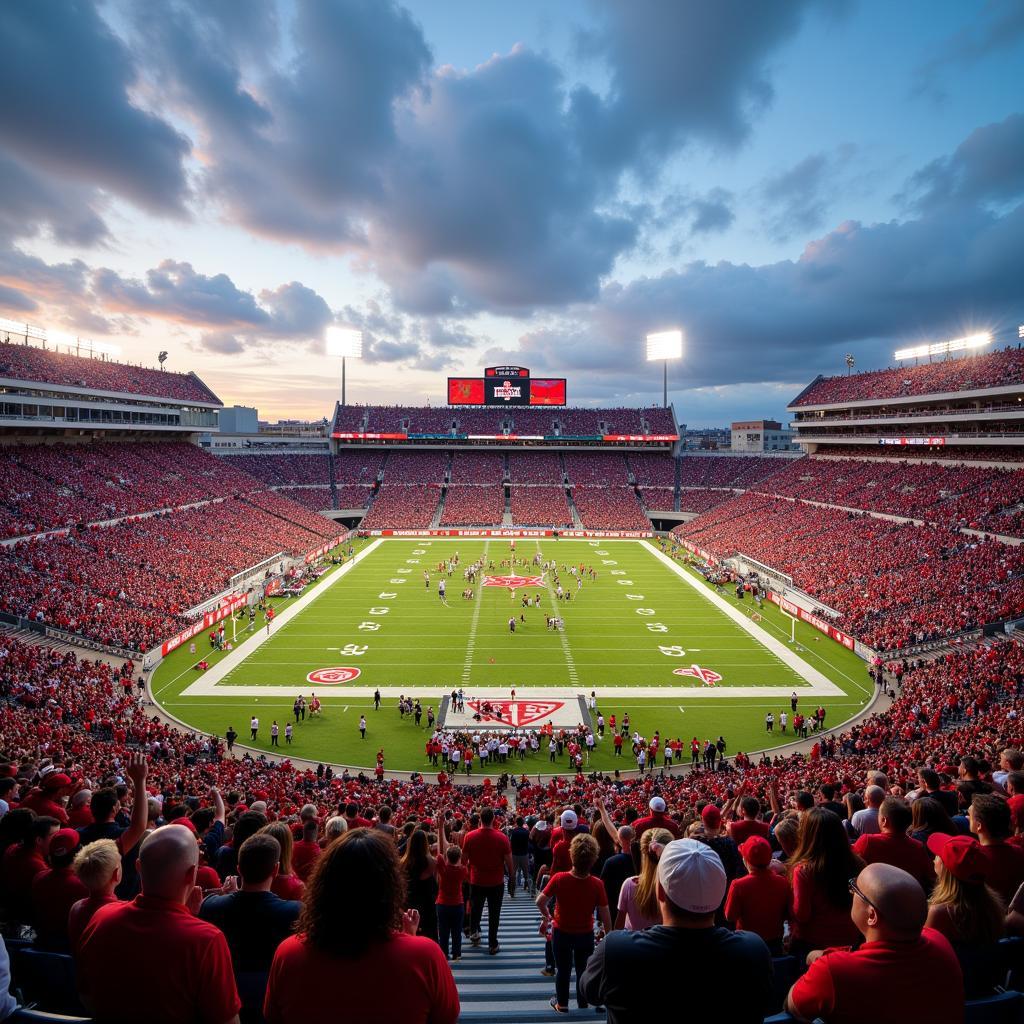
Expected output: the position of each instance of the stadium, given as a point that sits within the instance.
(511, 703)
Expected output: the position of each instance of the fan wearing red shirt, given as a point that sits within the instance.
(55, 891)
(742, 829)
(155, 937)
(893, 846)
(353, 818)
(98, 867)
(488, 855)
(577, 895)
(759, 901)
(451, 904)
(903, 971)
(306, 852)
(989, 819)
(658, 818)
(24, 860)
(371, 953)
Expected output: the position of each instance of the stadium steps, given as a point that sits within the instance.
(509, 988)
(439, 511)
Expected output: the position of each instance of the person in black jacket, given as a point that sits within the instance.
(686, 952)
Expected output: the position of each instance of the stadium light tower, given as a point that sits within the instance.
(663, 346)
(347, 343)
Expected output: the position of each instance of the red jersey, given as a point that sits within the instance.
(759, 903)
(485, 850)
(449, 882)
(576, 901)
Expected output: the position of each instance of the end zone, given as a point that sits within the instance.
(564, 710)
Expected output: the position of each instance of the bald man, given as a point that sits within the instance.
(903, 971)
(152, 958)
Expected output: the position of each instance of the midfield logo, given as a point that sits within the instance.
(515, 712)
(706, 675)
(514, 582)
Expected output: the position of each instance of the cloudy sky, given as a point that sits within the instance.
(539, 182)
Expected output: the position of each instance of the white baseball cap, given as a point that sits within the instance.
(541, 826)
(692, 876)
(569, 819)
(657, 804)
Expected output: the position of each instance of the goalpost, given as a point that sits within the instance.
(792, 624)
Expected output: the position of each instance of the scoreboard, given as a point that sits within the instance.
(506, 385)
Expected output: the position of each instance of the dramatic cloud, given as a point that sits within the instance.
(66, 79)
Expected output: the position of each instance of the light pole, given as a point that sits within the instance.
(345, 342)
(663, 346)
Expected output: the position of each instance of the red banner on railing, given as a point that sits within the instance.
(571, 534)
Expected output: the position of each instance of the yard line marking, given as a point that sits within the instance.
(566, 651)
(467, 665)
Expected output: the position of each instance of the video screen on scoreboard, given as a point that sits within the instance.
(465, 391)
(547, 392)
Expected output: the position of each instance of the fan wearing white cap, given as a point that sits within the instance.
(704, 961)
(658, 818)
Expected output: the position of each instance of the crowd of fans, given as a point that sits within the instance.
(477, 468)
(947, 495)
(535, 468)
(416, 467)
(539, 506)
(126, 841)
(696, 499)
(892, 584)
(726, 470)
(402, 507)
(473, 506)
(358, 466)
(48, 366)
(49, 487)
(609, 508)
(596, 469)
(316, 499)
(991, 370)
(280, 469)
(129, 585)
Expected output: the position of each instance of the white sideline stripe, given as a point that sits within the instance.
(823, 686)
(207, 685)
(668, 692)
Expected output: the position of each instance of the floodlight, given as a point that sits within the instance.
(1020, 331)
(664, 345)
(345, 342)
(941, 348)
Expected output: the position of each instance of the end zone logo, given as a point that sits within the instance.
(514, 712)
(332, 676)
(513, 582)
(706, 675)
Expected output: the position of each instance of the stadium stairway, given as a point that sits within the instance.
(509, 988)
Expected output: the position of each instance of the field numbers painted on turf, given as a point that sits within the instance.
(403, 572)
(656, 627)
(600, 552)
(608, 561)
(354, 650)
(412, 561)
(379, 611)
(369, 627)
(671, 652)
(624, 583)
(397, 579)
(418, 551)
(387, 597)
(645, 611)
(634, 597)
(618, 572)
(594, 543)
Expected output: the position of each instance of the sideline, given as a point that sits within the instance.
(821, 685)
(208, 684)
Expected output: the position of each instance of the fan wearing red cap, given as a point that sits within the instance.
(962, 907)
(759, 901)
(49, 797)
(56, 890)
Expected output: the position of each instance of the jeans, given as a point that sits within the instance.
(492, 895)
(449, 923)
(570, 948)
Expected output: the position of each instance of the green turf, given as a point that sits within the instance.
(614, 631)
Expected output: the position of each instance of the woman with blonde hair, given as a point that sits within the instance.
(286, 883)
(964, 909)
(638, 897)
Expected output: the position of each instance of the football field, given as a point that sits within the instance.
(639, 631)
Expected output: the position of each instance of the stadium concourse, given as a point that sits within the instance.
(149, 873)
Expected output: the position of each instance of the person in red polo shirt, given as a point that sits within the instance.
(759, 901)
(488, 855)
(903, 971)
(157, 937)
(741, 829)
(306, 852)
(989, 819)
(893, 846)
(55, 891)
(658, 818)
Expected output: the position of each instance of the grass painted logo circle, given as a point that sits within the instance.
(332, 676)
